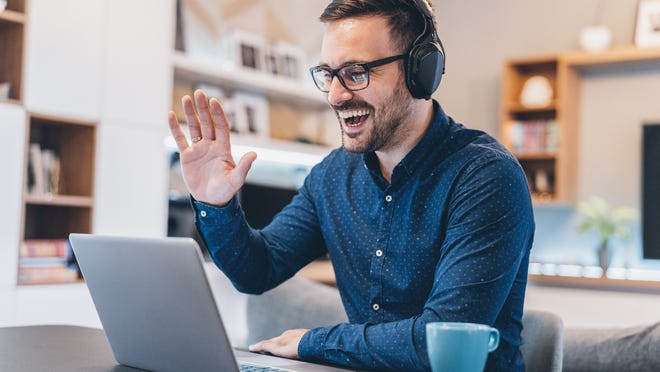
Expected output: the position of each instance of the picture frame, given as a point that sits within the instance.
(290, 60)
(647, 28)
(271, 61)
(251, 115)
(246, 51)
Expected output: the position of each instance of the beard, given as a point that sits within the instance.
(388, 128)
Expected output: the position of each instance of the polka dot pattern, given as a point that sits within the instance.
(447, 240)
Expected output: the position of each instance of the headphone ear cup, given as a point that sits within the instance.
(424, 69)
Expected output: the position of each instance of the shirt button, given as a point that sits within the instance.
(379, 253)
(376, 307)
(388, 198)
(202, 213)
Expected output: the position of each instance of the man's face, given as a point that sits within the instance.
(372, 119)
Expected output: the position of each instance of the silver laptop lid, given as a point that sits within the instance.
(154, 302)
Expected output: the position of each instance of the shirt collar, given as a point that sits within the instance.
(415, 158)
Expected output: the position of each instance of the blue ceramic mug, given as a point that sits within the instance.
(460, 347)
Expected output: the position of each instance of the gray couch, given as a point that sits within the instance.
(626, 349)
(300, 303)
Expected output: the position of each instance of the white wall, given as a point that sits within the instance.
(615, 104)
(64, 57)
(583, 308)
(12, 127)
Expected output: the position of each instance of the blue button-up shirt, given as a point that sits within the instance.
(447, 240)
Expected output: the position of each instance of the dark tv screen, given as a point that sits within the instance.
(651, 191)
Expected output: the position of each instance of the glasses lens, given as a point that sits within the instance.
(322, 78)
(355, 76)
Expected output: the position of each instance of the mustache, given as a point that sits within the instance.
(352, 105)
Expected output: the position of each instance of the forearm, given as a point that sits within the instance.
(258, 260)
(234, 247)
(386, 346)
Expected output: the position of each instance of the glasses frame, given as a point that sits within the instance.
(367, 66)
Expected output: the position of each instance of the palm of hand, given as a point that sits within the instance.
(209, 170)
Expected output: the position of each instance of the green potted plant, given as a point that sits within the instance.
(607, 222)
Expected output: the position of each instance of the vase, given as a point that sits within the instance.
(595, 38)
(604, 255)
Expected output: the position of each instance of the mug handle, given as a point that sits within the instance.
(494, 339)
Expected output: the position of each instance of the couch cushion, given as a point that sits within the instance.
(628, 349)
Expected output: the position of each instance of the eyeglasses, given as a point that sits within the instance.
(353, 77)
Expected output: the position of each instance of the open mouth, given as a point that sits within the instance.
(353, 118)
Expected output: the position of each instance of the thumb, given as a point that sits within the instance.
(244, 165)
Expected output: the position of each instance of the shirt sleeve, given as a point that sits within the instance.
(258, 260)
(489, 232)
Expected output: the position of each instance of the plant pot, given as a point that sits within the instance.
(604, 255)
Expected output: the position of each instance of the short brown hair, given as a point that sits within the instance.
(405, 21)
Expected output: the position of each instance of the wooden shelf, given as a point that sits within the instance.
(602, 283)
(13, 22)
(563, 71)
(13, 16)
(612, 56)
(535, 156)
(275, 88)
(59, 200)
(516, 107)
(322, 271)
(54, 215)
(11, 101)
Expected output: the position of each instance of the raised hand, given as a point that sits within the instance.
(208, 167)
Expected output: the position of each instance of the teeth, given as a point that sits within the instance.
(352, 113)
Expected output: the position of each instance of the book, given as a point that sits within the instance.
(47, 275)
(43, 170)
(43, 261)
(531, 136)
(36, 164)
(33, 248)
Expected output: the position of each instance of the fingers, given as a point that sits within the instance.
(285, 345)
(191, 117)
(220, 120)
(243, 167)
(204, 115)
(177, 132)
(206, 119)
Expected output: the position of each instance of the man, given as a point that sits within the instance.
(424, 220)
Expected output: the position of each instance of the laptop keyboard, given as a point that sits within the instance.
(245, 367)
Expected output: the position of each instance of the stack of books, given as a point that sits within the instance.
(46, 261)
(532, 136)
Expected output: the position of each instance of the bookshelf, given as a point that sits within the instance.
(545, 138)
(12, 34)
(58, 196)
(530, 131)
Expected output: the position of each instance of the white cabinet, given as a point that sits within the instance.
(64, 57)
(131, 183)
(12, 127)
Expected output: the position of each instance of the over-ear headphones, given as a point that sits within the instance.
(426, 60)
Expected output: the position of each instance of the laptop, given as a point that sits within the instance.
(157, 308)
